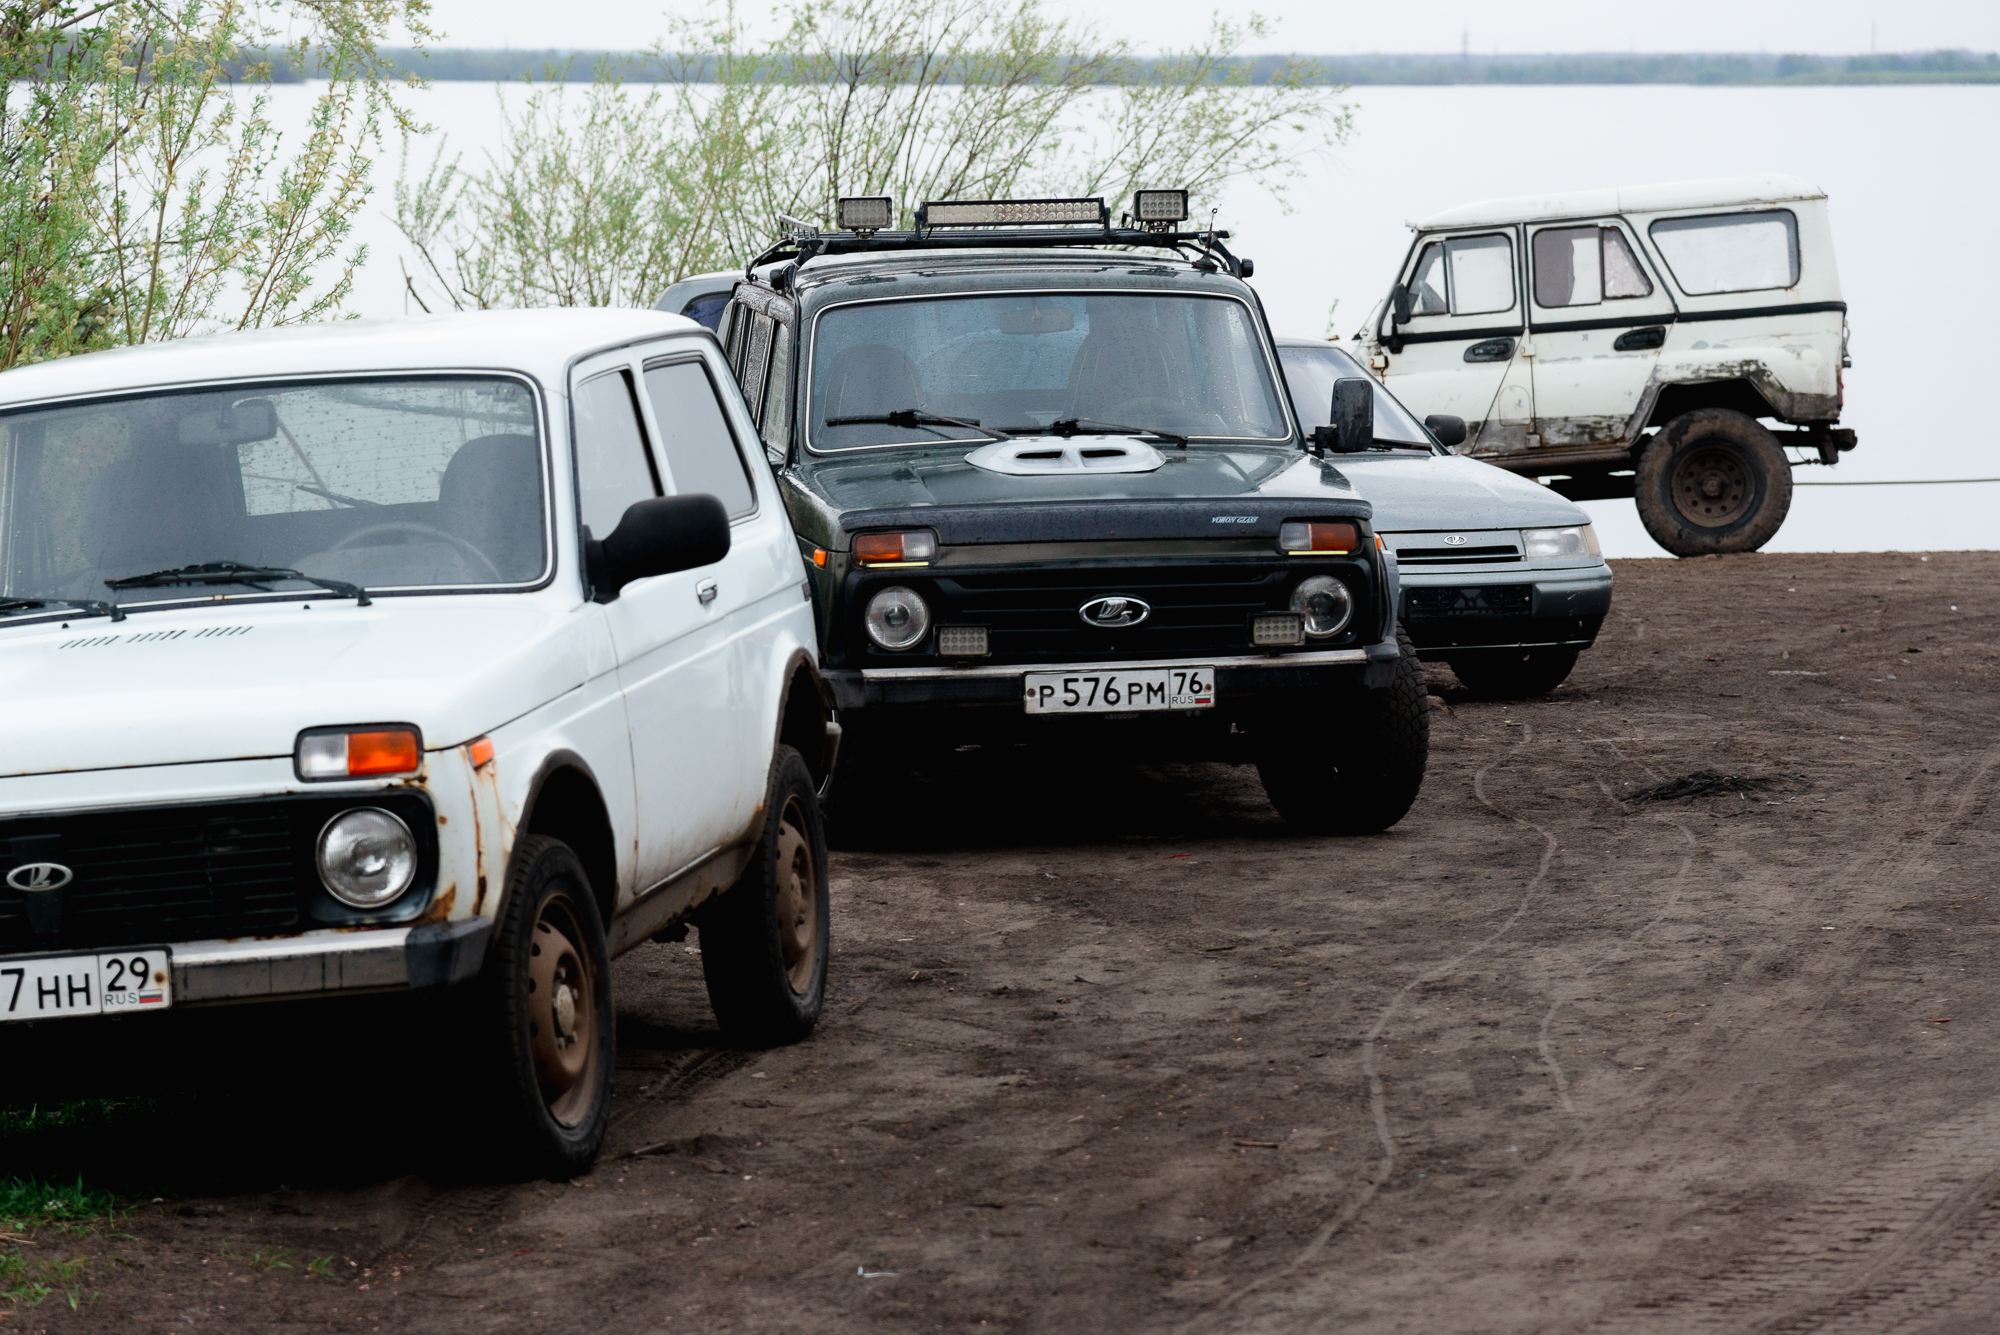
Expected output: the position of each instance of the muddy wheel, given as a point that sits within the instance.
(1713, 481)
(547, 990)
(1357, 769)
(764, 943)
(1513, 674)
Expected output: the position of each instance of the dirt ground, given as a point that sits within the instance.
(1109, 1050)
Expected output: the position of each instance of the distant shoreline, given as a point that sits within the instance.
(452, 64)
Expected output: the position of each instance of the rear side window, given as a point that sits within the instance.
(1731, 252)
(1466, 275)
(695, 437)
(612, 467)
(1582, 266)
(777, 395)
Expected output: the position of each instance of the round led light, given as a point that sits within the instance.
(897, 618)
(1325, 605)
(367, 857)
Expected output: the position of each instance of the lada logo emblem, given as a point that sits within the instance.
(1455, 540)
(1114, 612)
(40, 876)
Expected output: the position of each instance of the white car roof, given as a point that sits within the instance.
(1715, 192)
(541, 343)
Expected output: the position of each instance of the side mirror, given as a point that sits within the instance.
(1399, 304)
(1449, 430)
(656, 537)
(1353, 414)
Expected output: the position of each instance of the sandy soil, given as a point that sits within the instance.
(1109, 1049)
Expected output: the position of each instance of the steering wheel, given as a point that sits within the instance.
(424, 531)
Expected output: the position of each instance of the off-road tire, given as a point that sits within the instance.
(764, 943)
(1358, 771)
(1513, 674)
(544, 1118)
(1713, 481)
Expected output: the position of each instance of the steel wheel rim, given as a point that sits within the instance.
(562, 1014)
(1712, 486)
(798, 898)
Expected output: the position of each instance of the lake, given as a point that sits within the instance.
(1912, 212)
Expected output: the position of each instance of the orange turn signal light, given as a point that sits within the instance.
(875, 549)
(480, 749)
(381, 752)
(358, 753)
(1333, 537)
(819, 557)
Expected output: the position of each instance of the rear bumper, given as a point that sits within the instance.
(1504, 609)
(386, 959)
(1238, 677)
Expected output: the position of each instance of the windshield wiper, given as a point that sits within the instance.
(96, 607)
(232, 572)
(913, 419)
(1090, 426)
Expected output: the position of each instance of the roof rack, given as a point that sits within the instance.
(987, 224)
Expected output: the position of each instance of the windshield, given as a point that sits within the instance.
(1310, 372)
(1189, 366)
(381, 483)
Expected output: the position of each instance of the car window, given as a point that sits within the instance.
(756, 360)
(389, 483)
(1311, 372)
(1464, 275)
(1731, 252)
(612, 467)
(777, 395)
(695, 437)
(1582, 266)
(706, 310)
(1018, 363)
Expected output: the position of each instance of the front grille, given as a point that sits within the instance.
(1033, 614)
(1476, 601)
(143, 877)
(1496, 554)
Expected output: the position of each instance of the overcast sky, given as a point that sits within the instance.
(1318, 27)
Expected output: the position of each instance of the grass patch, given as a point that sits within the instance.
(27, 1202)
(26, 1283)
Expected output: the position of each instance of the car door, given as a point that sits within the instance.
(713, 769)
(1459, 350)
(1597, 320)
(672, 654)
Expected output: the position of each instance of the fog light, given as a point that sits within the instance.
(1273, 628)
(367, 857)
(1323, 604)
(962, 642)
(897, 618)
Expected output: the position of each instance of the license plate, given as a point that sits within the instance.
(1120, 692)
(110, 984)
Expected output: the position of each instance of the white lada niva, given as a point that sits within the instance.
(452, 655)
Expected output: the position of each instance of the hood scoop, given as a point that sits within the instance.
(1044, 456)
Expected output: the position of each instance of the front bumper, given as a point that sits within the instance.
(1504, 609)
(387, 959)
(1237, 677)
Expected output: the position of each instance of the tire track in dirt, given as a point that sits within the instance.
(1377, 1095)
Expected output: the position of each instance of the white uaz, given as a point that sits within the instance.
(454, 653)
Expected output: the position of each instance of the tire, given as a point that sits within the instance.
(543, 1005)
(764, 943)
(1513, 674)
(1359, 771)
(1713, 481)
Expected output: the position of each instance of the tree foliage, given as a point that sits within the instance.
(145, 192)
(607, 192)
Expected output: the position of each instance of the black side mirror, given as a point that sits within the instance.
(1353, 415)
(1399, 304)
(656, 537)
(1449, 430)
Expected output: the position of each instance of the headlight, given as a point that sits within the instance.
(897, 618)
(1324, 604)
(1548, 544)
(367, 857)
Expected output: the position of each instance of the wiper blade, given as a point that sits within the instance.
(913, 419)
(1090, 426)
(232, 572)
(96, 607)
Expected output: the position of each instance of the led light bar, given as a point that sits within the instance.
(1160, 206)
(962, 642)
(1275, 628)
(1012, 212)
(864, 213)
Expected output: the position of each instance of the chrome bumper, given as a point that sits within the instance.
(385, 959)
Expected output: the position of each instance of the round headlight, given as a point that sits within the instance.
(897, 618)
(367, 857)
(1324, 604)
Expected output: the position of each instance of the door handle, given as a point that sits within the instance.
(1641, 340)
(1491, 350)
(705, 592)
